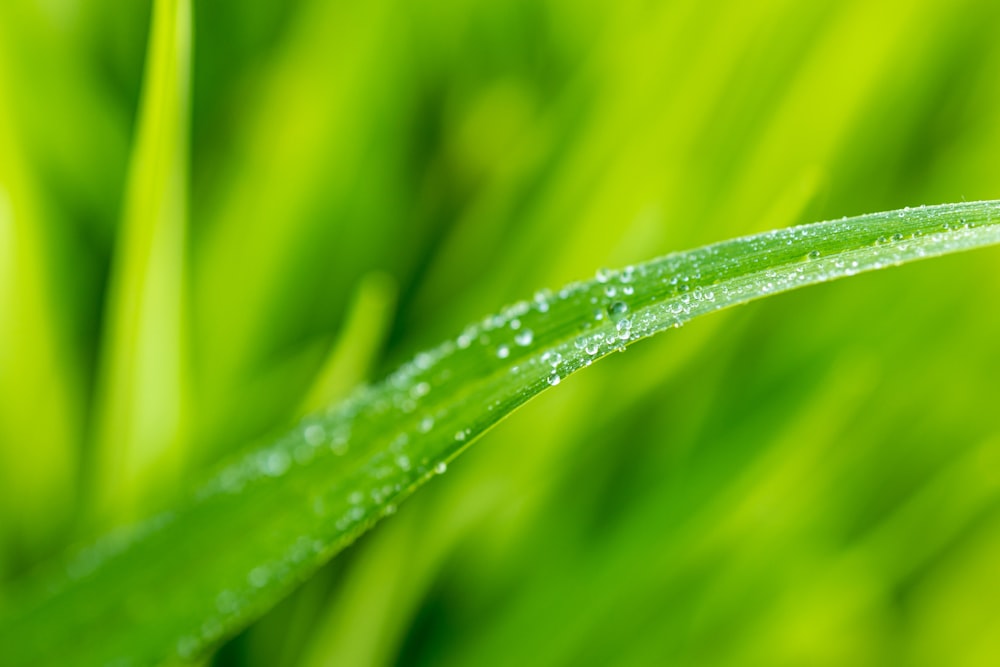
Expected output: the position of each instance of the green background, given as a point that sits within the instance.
(811, 480)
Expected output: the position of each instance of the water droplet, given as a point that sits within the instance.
(611, 291)
(603, 275)
(314, 434)
(524, 338)
(515, 324)
(542, 300)
(552, 358)
(276, 463)
(592, 348)
(624, 329)
(813, 254)
(420, 389)
(503, 351)
(227, 602)
(461, 436)
(554, 379)
(390, 509)
(258, 577)
(426, 424)
(441, 468)
(403, 462)
(628, 290)
(618, 309)
(897, 237)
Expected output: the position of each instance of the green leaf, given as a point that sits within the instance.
(187, 579)
(37, 483)
(140, 413)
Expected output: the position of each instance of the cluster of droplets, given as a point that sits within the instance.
(554, 360)
(312, 438)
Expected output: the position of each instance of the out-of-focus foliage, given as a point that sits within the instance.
(775, 485)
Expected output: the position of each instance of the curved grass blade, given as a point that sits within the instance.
(187, 579)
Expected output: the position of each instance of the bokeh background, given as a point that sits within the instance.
(810, 480)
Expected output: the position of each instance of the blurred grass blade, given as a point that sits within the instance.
(354, 351)
(139, 411)
(40, 396)
(187, 579)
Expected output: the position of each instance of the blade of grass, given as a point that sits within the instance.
(351, 356)
(40, 398)
(187, 579)
(140, 413)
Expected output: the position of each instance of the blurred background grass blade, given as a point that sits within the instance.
(359, 344)
(38, 456)
(139, 445)
(284, 509)
(332, 118)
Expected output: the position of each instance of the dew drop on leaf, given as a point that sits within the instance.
(277, 463)
(258, 577)
(618, 309)
(314, 434)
